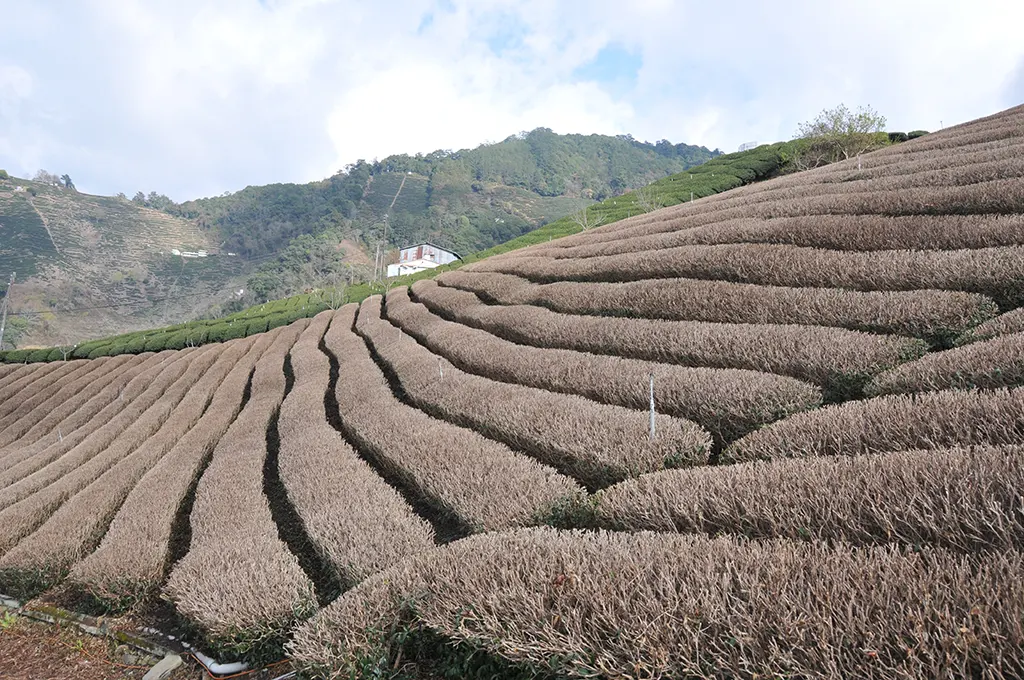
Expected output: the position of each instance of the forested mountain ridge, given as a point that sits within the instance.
(90, 266)
(456, 197)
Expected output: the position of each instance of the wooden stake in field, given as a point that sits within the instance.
(652, 406)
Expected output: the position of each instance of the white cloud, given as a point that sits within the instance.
(193, 98)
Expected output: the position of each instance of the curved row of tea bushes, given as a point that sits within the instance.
(66, 426)
(44, 557)
(891, 423)
(239, 583)
(37, 407)
(133, 559)
(594, 443)
(966, 500)
(834, 232)
(990, 364)
(726, 402)
(1004, 324)
(29, 502)
(933, 315)
(839, 360)
(995, 272)
(599, 604)
(479, 483)
(364, 529)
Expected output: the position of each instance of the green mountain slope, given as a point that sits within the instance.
(467, 200)
(92, 266)
(720, 174)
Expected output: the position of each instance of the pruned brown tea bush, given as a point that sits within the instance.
(1004, 324)
(595, 443)
(966, 500)
(76, 528)
(243, 604)
(995, 272)
(933, 315)
(367, 528)
(891, 423)
(726, 402)
(133, 559)
(599, 604)
(834, 232)
(990, 364)
(837, 359)
(478, 483)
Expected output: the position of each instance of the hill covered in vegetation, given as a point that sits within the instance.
(311, 260)
(787, 416)
(94, 265)
(90, 266)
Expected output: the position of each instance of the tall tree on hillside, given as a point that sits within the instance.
(838, 134)
(585, 219)
(66, 181)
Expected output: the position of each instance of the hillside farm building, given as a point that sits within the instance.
(419, 257)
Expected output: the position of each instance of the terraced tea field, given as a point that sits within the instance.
(776, 432)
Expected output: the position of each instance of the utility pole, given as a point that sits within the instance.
(3, 316)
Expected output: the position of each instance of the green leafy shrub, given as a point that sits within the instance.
(176, 340)
(38, 355)
(235, 331)
(55, 355)
(156, 342)
(217, 333)
(137, 344)
(897, 137)
(17, 356)
(103, 351)
(914, 134)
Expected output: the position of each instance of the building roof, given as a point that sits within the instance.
(432, 245)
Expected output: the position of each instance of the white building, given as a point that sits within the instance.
(419, 257)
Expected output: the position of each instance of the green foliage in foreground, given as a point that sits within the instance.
(718, 175)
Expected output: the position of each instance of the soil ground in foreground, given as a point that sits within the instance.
(30, 650)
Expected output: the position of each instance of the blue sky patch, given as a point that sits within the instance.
(507, 35)
(613, 65)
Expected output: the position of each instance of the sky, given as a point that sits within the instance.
(193, 98)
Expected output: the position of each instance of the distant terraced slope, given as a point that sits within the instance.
(468, 474)
(73, 251)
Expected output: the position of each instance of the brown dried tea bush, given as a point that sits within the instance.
(891, 423)
(966, 500)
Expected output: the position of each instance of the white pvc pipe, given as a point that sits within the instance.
(219, 668)
(212, 665)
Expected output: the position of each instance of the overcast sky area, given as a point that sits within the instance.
(193, 98)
